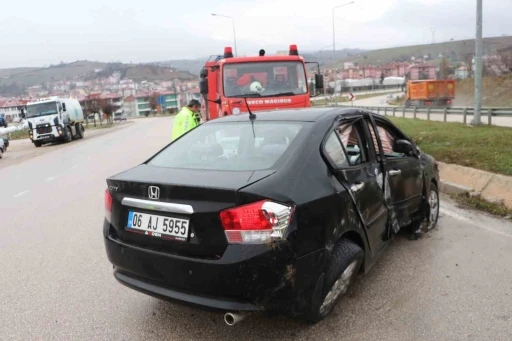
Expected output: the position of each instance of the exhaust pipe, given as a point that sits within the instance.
(232, 318)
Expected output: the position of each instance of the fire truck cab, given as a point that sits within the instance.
(231, 84)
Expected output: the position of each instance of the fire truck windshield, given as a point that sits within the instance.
(264, 79)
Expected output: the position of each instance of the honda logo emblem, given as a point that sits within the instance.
(154, 192)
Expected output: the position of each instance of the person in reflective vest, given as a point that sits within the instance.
(187, 119)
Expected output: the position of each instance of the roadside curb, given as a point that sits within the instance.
(457, 179)
(447, 187)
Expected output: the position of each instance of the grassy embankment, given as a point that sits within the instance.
(488, 148)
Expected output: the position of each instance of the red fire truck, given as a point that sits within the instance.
(231, 84)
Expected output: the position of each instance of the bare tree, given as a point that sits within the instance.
(108, 109)
(468, 59)
(153, 102)
(506, 57)
(499, 63)
(91, 105)
(445, 69)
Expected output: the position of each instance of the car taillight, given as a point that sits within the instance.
(256, 223)
(108, 205)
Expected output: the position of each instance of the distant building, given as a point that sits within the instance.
(169, 101)
(462, 72)
(422, 71)
(142, 104)
(193, 94)
(348, 65)
(130, 106)
(352, 73)
(369, 72)
(12, 108)
(92, 103)
(393, 70)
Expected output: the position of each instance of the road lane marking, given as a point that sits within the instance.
(20, 194)
(455, 215)
(50, 179)
(480, 225)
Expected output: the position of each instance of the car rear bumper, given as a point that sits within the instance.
(160, 291)
(245, 278)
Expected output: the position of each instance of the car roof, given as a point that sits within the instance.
(297, 115)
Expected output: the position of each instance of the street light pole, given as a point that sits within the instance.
(478, 64)
(325, 87)
(234, 32)
(334, 31)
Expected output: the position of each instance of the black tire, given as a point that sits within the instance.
(68, 137)
(79, 131)
(433, 210)
(343, 255)
(1, 154)
(37, 144)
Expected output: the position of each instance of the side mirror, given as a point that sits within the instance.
(319, 81)
(63, 106)
(403, 147)
(203, 73)
(203, 86)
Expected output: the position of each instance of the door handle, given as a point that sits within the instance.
(395, 172)
(357, 187)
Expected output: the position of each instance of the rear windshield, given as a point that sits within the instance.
(230, 146)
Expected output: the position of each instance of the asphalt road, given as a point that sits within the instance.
(21, 150)
(56, 282)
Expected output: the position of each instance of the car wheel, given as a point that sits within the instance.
(38, 144)
(433, 207)
(69, 136)
(346, 260)
(79, 130)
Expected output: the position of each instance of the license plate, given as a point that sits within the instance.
(158, 226)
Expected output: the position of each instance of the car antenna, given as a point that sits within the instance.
(252, 116)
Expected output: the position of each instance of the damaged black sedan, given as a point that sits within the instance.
(277, 211)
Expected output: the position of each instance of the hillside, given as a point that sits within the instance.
(323, 57)
(12, 81)
(458, 50)
(496, 92)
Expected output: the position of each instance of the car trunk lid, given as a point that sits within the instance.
(193, 196)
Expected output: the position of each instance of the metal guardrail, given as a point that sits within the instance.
(489, 112)
(14, 127)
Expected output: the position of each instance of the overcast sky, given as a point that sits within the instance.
(50, 31)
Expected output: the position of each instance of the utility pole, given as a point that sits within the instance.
(234, 32)
(176, 95)
(478, 64)
(334, 33)
(433, 29)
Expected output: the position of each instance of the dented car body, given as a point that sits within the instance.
(277, 211)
